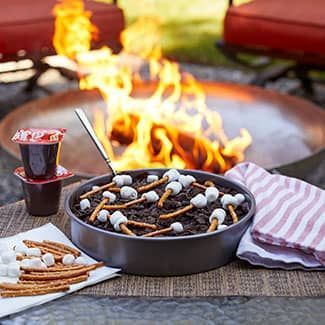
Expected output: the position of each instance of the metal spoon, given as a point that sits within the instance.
(87, 125)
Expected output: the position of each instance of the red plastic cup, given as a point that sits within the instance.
(40, 151)
(42, 197)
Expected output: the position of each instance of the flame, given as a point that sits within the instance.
(172, 126)
(73, 28)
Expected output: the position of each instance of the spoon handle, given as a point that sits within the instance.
(87, 125)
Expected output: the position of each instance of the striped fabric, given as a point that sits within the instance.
(290, 215)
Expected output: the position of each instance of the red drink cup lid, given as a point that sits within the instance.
(38, 135)
(61, 174)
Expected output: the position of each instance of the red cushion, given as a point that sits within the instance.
(29, 25)
(284, 25)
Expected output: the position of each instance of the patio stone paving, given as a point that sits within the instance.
(222, 310)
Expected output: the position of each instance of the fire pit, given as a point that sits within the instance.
(284, 129)
(167, 118)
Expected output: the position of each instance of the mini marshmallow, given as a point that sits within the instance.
(186, 180)
(177, 227)
(3, 270)
(240, 198)
(212, 194)
(172, 174)
(80, 260)
(199, 201)
(175, 187)
(35, 263)
(102, 215)
(48, 259)
(152, 178)
(115, 216)
(111, 196)
(151, 196)
(21, 248)
(228, 199)
(127, 179)
(3, 248)
(43, 265)
(68, 259)
(119, 221)
(8, 257)
(25, 263)
(221, 227)
(84, 204)
(33, 251)
(128, 193)
(13, 270)
(218, 214)
(95, 188)
(118, 180)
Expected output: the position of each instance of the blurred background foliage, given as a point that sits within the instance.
(190, 28)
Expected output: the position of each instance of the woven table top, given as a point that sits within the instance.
(235, 279)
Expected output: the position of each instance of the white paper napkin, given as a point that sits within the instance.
(48, 232)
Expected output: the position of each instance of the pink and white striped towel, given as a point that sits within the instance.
(288, 230)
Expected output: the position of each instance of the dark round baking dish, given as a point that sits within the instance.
(164, 255)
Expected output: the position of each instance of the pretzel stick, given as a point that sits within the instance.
(72, 280)
(19, 286)
(176, 213)
(139, 200)
(198, 185)
(115, 189)
(93, 216)
(41, 284)
(53, 269)
(33, 292)
(158, 232)
(51, 276)
(60, 249)
(232, 213)
(72, 250)
(59, 275)
(164, 197)
(133, 223)
(114, 207)
(152, 185)
(100, 188)
(25, 257)
(126, 230)
(213, 225)
(50, 248)
(205, 186)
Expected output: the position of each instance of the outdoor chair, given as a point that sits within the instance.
(27, 28)
(292, 30)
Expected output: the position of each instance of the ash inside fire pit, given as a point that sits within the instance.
(194, 221)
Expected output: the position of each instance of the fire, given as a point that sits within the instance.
(170, 127)
(73, 28)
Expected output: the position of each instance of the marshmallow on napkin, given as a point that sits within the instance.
(9, 306)
(288, 230)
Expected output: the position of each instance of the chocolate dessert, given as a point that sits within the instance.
(42, 197)
(40, 160)
(152, 206)
(40, 150)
